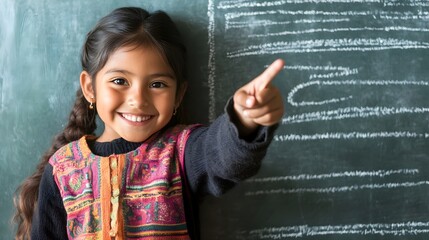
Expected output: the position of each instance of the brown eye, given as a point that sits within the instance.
(157, 85)
(119, 81)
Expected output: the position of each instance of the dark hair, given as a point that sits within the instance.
(129, 26)
(133, 27)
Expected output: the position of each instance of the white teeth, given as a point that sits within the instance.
(135, 118)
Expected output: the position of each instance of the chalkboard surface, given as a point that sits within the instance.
(350, 159)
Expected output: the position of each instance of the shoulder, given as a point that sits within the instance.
(179, 131)
(75, 150)
(176, 136)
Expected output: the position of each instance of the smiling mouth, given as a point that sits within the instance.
(134, 118)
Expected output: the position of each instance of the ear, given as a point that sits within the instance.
(181, 94)
(86, 86)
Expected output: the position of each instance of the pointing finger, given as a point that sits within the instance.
(263, 80)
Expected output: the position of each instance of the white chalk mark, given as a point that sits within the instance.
(406, 16)
(299, 231)
(348, 136)
(1, 95)
(234, 15)
(334, 30)
(254, 4)
(261, 4)
(347, 174)
(333, 71)
(301, 86)
(212, 60)
(265, 23)
(332, 20)
(251, 4)
(351, 112)
(411, 3)
(329, 45)
(382, 14)
(340, 189)
(251, 24)
(8, 19)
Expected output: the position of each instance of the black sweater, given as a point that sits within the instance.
(216, 158)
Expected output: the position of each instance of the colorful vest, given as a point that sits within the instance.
(137, 195)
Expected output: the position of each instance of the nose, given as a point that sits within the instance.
(137, 98)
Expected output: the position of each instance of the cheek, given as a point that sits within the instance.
(107, 100)
(166, 103)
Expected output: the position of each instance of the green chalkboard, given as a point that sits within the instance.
(350, 158)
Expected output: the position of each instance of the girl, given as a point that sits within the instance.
(142, 176)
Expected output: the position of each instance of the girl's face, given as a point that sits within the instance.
(135, 94)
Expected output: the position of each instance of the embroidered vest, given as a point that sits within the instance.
(135, 195)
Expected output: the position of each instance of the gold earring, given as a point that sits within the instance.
(175, 111)
(91, 104)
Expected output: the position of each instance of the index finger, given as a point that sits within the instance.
(269, 74)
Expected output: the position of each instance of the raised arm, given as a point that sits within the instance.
(232, 147)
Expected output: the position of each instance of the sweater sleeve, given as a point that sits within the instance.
(49, 218)
(216, 158)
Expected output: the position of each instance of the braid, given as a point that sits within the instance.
(128, 26)
(81, 122)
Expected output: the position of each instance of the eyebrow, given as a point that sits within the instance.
(126, 72)
(118, 71)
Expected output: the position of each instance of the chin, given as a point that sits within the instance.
(135, 139)
(138, 138)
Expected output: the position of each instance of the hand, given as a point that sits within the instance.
(259, 102)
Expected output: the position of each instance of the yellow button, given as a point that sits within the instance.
(114, 180)
(113, 164)
(114, 200)
(116, 192)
